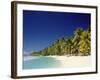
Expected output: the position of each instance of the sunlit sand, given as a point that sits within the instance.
(74, 61)
(69, 61)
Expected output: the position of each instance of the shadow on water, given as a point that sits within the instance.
(41, 62)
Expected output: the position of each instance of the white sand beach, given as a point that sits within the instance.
(68, 62)
(74, 61)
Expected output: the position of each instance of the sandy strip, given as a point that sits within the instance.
(74, 61)
(68, 62)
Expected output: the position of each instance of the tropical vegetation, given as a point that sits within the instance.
(79, 44)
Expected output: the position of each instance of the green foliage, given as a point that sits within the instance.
(78, 44)
(36, 54)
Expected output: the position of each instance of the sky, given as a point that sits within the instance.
(42, 28)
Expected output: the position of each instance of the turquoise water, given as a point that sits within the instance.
(41, 62)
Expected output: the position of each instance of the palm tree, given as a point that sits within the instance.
(62, 43)
(69, 45)
(77, 39)
(89, 38)
(85, 43)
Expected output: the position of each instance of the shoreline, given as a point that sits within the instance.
(68, 61)
(55, 56)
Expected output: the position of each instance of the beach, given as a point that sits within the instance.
(68, 61)
(74, 61)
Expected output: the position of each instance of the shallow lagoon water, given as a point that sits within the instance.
(41, 62)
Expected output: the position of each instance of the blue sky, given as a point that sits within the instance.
(42, 28)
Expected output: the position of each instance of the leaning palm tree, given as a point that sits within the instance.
(59, 46)
(69, 45)
(62, 45)
(85, 43)
(77, 39)
(89, 38)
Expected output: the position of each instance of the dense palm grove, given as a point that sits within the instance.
(77, 45)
